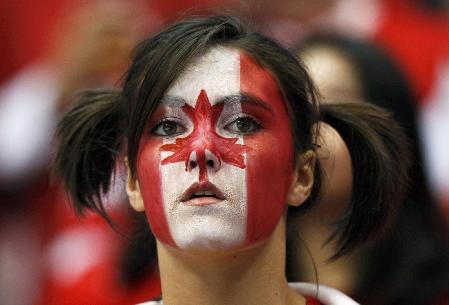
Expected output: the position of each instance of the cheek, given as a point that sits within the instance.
(269, 174)
(270, 160)
(149, 176)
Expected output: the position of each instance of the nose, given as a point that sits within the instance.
(193, 161)
(206, 160)
(212, 161)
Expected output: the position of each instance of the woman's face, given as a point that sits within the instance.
(334, 74)
(216, 163)
(337, 80)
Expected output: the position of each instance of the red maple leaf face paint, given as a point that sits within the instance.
(216, 164)
(204, 139)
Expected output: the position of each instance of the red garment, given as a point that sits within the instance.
(82, 261)
(417, 39)
(26, 29)
(312, 301)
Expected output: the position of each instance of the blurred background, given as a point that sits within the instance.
(51, 49)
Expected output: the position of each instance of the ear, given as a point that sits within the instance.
(133, 191)
(302, 182)
(336, 171)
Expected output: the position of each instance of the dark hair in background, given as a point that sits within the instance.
(435, 5)
(411, 264)
(91, 136)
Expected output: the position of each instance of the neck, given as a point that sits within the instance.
(251, 276)
(339, 274)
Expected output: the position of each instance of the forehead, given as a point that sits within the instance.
(217, 72)
(333, 72)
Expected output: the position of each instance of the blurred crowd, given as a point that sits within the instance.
(392, 53)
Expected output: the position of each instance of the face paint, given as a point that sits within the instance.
(270, 162)
(204, 139)
(215, 171)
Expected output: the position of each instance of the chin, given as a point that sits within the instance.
(209, 235)
(215, 227)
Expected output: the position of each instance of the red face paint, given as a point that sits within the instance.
(256, 167)
(270, 161)
(204, 137)
(149, 177)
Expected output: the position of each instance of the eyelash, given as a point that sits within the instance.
(257, 125)
(168, 120)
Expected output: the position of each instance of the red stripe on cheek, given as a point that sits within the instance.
(270, 160)
(148, 171)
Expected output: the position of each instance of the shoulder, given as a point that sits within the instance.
(326, 295)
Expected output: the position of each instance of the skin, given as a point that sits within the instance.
(334, 75)
(228, 125)
(337, 80)
(219, 268)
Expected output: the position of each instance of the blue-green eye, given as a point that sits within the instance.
(243, 125)
(168, 128)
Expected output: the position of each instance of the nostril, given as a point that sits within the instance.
(210, 163)
(192, 164)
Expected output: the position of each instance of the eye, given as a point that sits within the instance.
(243, 125)
(168, 128)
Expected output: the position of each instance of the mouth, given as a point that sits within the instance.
(201, 194)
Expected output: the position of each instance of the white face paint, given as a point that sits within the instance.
(216, 226)
(220, 146)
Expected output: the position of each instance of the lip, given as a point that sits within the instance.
(198, 187)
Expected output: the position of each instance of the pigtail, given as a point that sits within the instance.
(380, 161)
(88, 141)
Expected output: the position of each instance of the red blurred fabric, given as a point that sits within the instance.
(98, 282)
(417, 39)
(26, 28)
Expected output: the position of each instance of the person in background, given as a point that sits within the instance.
(415, 33)
(410, 265)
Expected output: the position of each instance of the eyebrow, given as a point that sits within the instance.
(245, 98)
(241, 98)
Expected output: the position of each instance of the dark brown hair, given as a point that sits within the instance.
(90, 136)
(380, 163)
(410, 264)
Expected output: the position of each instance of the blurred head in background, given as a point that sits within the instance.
(410, 264)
